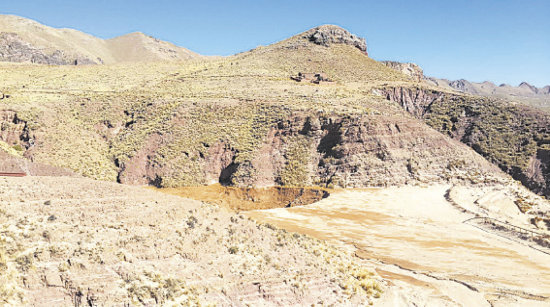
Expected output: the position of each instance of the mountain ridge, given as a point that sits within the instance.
(523, 92)
(25, 40)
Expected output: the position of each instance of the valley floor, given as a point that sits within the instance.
(418, 240)
(75, 241)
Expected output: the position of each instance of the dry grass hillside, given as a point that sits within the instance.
(239, 120)
(26, 40)
(151, 123)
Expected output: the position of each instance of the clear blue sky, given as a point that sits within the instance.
(503, 41)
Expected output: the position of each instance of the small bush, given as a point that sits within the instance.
(192, 221)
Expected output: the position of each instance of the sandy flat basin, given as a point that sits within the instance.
(416, 239)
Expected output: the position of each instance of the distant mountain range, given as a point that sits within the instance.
(25, 40)
(524, 92)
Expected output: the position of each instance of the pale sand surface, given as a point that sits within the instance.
(417, 240)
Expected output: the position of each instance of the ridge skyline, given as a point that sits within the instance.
(138, 33)
(473, 41)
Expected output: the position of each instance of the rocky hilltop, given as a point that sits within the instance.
(330, 34)
(24, 40)
(152, 124)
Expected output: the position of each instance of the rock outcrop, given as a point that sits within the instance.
(410, 69)
(14, 130)
(414, 100)
(16, 142)
(318, 149)
(329, 34)
(14, 49)
(240, 121)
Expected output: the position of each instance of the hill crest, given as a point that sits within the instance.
(25, 40)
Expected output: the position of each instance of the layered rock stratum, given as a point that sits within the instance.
(152, 123)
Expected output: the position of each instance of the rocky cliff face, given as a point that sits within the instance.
(241, 121)
(14, 131)
(514, 137)
(316, 149)
(16, 147)
(414, 100)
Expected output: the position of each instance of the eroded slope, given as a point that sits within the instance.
(513, 136)
(239, 120)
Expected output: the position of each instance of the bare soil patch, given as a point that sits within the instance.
(244, 199)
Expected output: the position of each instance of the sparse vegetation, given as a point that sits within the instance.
(200, 246)
(296, 171)
(115, 111)
(233, 250)
(192, 221)
(235, 120)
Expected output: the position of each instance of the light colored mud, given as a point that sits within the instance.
(417, 241)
